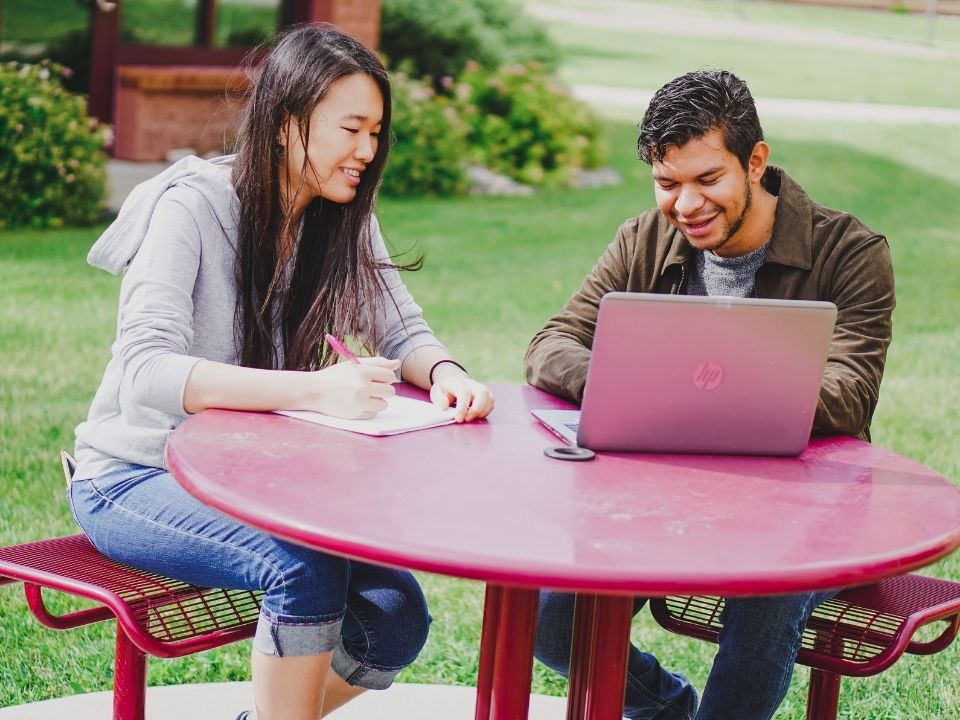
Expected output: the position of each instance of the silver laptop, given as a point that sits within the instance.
(713, 375)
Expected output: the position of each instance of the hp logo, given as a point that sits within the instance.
(708, 375)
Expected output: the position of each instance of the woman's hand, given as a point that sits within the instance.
(473, 400)
(355, 391)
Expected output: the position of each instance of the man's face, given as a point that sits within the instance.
(704, 192)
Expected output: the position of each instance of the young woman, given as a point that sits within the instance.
(235, 269)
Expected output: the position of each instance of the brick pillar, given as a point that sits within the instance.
(360, 18)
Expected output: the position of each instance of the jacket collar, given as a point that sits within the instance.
(792, 240)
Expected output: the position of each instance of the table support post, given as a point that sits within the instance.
(488, 647)
(506, 654)
(581, 658)
(598, 657)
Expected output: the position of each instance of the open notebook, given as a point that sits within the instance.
(402, 415)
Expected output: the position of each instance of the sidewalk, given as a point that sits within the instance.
(605, 96)
(223, 701)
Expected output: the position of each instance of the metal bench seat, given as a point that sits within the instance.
(155, 615)
(860, 632)
(162, 617)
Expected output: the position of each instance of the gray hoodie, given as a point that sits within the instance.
(175, 240)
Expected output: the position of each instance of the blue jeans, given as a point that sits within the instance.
(751, 671)
(374, 619)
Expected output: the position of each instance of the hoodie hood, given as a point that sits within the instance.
(120, 242)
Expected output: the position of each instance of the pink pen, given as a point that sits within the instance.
(341, 349)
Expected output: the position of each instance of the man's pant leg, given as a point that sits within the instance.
(759, 643)
(652, 693)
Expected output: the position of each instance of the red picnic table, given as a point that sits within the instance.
(481, 501)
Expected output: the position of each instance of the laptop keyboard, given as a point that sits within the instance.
(575, 426)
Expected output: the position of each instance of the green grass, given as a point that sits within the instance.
(910, 27)
(161, 22)
(495, 270)
(630, 56)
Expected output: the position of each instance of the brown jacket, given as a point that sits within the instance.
(815, 254)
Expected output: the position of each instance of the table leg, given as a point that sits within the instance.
(598, 657)
(506, 654)
(488, 647)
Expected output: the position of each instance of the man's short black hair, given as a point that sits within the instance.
(692, 105)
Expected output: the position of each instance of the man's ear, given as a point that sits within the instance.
(757, 165)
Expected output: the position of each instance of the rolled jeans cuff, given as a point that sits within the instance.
(284, 638)
(356, 673)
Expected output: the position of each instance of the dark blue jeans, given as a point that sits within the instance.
(751, 671)
(374, 619)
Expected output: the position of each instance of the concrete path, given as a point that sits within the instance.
(223, 701)
(605, 96)
(650, 18)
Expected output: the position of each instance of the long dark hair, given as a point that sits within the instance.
(335, 274)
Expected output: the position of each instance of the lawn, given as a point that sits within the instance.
(612, 45)
(495, 269)
(164, 22)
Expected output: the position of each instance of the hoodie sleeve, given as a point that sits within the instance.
(155, 321)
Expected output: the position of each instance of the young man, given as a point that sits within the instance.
(727, 223)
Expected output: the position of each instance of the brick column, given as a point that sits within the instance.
(360, 18)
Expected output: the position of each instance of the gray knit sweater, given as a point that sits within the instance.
(175, 240)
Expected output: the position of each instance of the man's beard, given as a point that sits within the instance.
(738, 223)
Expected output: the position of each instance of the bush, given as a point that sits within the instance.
(426, 155)
(72, 50)
(524, 124)
(438, 37)
(51, 155)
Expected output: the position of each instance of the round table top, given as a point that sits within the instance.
(482, 501)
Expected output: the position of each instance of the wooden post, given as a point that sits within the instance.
(104, 38)
(205, 33)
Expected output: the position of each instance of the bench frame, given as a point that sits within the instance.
(860, 632)
(154, 615)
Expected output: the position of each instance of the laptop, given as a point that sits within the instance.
(711, 375)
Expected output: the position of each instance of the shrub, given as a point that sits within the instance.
(72, 50)
(51, 155)
(438, 37)
(426, 155)
(524, 124)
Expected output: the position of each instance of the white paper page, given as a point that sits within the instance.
(403, 414)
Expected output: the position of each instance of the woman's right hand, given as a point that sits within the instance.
(355, 391)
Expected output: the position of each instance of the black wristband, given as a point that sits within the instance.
(441, 362)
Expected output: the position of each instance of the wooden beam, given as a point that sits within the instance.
(174, 56)
(205, 32)
(104, 38)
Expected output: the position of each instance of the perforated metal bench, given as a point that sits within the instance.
(155, 615)
(860, 632)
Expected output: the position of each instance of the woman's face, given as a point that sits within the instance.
(344, 133)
